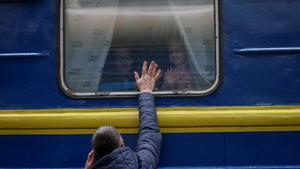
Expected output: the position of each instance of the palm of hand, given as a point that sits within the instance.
(145, 82)
(170, 76)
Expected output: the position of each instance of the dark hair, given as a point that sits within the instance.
(105, 140)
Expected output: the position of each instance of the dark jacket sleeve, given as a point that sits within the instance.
(149, 139)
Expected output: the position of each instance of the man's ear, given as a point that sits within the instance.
(90, 160)
(121, 141)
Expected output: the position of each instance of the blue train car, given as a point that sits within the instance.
(53, 94)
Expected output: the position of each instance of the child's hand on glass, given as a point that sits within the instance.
(170, 76)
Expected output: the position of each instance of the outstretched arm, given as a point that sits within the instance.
(149, 141)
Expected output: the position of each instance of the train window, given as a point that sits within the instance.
(104, 41)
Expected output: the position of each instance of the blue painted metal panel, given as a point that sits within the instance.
(268, 75)
(178, 150)
(265, 79)
(241, 149)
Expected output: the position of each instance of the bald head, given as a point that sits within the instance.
(105, 140)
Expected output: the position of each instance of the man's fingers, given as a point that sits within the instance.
(157, 75)
(144, 70)
(150, 68)
(153, 72)
(136, 76)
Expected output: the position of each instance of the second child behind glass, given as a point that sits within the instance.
(179, 76)
(118, 73)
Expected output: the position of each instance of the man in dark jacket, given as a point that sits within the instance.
(109, 151)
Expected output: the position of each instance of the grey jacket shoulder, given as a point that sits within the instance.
(121, 158)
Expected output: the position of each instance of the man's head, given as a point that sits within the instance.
(105, 140)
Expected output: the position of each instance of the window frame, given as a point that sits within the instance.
(121, 94)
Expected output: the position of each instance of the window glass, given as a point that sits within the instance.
(105, 41)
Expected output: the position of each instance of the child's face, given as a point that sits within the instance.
(123, 60)
(176, 54)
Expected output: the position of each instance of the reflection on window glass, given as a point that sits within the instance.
(106, 40)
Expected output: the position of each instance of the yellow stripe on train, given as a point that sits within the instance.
(171, 120)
